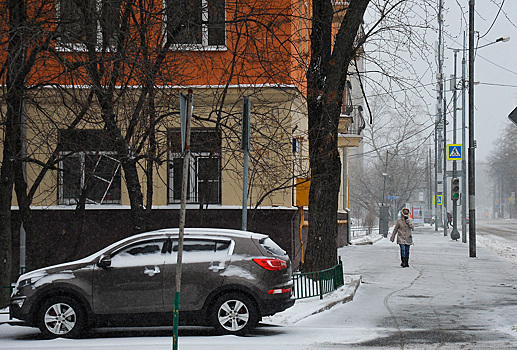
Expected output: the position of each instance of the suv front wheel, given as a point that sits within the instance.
(234, 313)
(61, 316)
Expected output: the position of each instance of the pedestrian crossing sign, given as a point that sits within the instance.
(454, 152)
(438, 199)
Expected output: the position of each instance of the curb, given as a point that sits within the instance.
(304, 308)
(353, 285)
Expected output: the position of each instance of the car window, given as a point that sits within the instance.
(141, 253)
(202, 250)
(197, 246)
(271, 247)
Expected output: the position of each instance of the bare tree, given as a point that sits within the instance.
(21, 43)
(502, 169)
(391, 23)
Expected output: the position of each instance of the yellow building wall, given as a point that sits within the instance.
(278, 114)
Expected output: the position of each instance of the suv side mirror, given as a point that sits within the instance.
(104, 261)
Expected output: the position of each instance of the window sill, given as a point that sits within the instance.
(198, 47)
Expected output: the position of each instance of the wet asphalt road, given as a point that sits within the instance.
(506, 229)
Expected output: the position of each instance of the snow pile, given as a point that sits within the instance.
(304, 308)
(499, 247)
(369, 239)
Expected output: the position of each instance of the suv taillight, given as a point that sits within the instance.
(271, 264)
(279, 291)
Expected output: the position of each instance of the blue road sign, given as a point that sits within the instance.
(438, 199)
(392, 197)
(454, 152)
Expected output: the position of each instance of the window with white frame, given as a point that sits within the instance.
(83, 23)
(195, 23)
(204, 180)
(88, 167)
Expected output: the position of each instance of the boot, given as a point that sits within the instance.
(403, 264)
(406, 261)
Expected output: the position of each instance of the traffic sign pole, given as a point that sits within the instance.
(455, 235)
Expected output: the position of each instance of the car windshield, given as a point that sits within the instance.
(271, 247)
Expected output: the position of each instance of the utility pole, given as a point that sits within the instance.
(385, 174)
(384, 210)
(439, 153)
(445, 200)
(455, 233)
(463, 142)
(430, 178)
(472, 141)
(245, 146)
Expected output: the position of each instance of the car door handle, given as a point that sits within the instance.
(152, 272)
(217, 268)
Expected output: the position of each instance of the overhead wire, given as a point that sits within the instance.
(391, 144)
(500, 10)
(414, 134)
(495, 19)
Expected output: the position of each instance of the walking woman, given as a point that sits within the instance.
(404, 228)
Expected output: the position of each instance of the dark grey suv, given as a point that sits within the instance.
(230, 279)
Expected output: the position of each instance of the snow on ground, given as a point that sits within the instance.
(310, 306)
(499, 246)
(15, 336)
(305, 325)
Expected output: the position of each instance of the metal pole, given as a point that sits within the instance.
(472, 146)
(455, 233)
(346, 195)
(430, 190)
(245, 191)
(245, 146)
(385, 174)
(23, 233)
(444, 154)
(184, 189)
(383, 212)
(463, 142)
(435, 207)
(439, 152)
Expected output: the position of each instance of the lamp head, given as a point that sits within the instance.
(503, 39)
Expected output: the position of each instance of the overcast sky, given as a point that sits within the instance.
(495, 66)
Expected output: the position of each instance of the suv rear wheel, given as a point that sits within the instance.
(61, 316)
(234, 313)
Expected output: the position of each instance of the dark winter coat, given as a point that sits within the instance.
(404, 228)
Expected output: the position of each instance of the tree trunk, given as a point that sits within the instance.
(151, 157)
(136, 198)
(15, 84)
(321, 250)
(6, 191)
(326, 78)
(129, 165)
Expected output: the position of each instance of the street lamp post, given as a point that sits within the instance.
(464, 84)
(454, 234)
(463, 143)
(384, 211)
(472, 141)
(472, 147)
